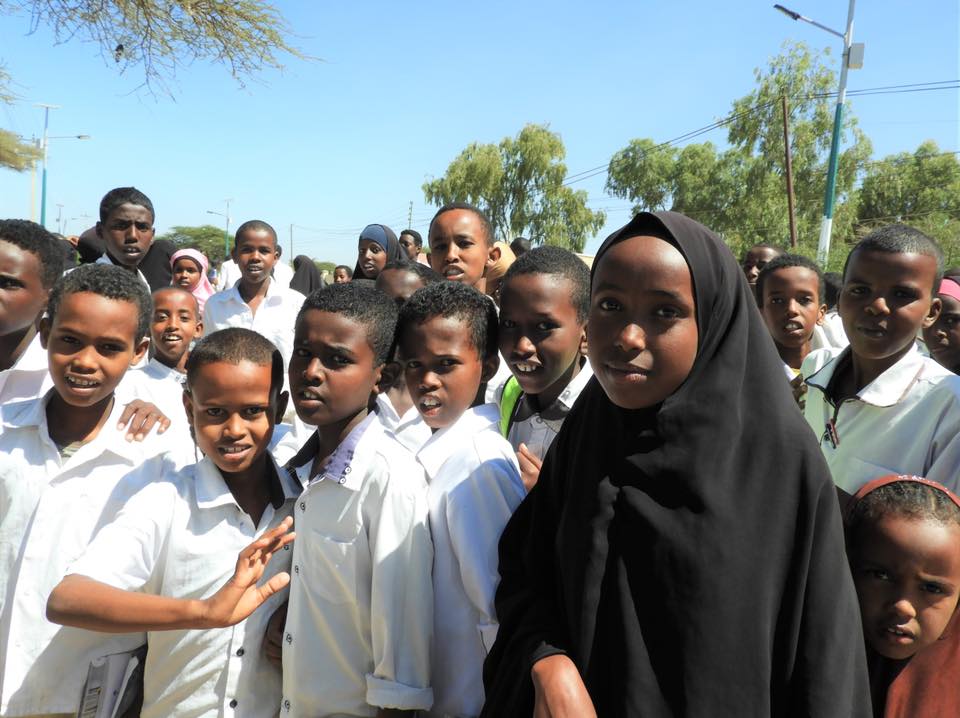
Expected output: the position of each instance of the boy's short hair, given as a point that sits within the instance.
(32, 237)
(453, 300)
(363, 304)
(561, 263)
(761, 245)
(417, 239)
(428, 275)
(255, 225)
(179, 290)
(900, 239)
(520, 246)
(232, 346)
(345, 268)
(785, 261)
(912, 500)
(108, 281)
(487, 227)
(832, 284)
(125, 195)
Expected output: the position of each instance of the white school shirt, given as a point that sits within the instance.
(360, 614)
(159, 384)
(50, 509)
(105, 259)
(29, 377)
(180, 537)
(474, 487)
(906, 421)
(409, 429)
(538, 429)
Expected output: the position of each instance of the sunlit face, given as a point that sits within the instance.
(90, 344)
(755, 259)
(186, 273)
(341, 276)
(22, 294)
(371, 257)
(459, 247)
(127, 233)
(409, 246)
(175, 323)
(885, 301)
(943, 336)
(443, 369)
(398, 284)
(791, 306)
(642, 330)
(255, 254)
(540, 336)
(232, 411)
(333, 371)
(907, 573)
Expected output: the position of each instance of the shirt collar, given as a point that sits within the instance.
(162, 371)
(105, 258)
(347, 465)
(212, 490)
(450, 439)
(274, 290)
(562, 404)
(887, 389)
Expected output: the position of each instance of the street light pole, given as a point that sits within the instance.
(226, 231)
(43, 176)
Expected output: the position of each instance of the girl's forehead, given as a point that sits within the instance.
(640, 255)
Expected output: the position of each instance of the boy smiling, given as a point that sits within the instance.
(879, 406)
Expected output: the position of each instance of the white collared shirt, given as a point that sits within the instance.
(361, 602)
(105, 259)
(474, 488)
(180, 537)
(538, 431)
(409, 429)
(29, 377)
(50, 508)
(162, 386)
(906, 421)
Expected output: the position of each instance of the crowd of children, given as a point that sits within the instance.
(473, 478)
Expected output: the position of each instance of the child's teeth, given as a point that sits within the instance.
(524, 367)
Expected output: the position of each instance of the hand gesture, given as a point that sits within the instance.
(241, 595)
(139, 417)
(530, 465)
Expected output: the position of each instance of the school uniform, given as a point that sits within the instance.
(360, 613)
(180, 537)
(159, 384)
(410, 429)
(538, 429)
(105, 259)
(474, 487)
(52, 502)
(29, 377)
(906, 421)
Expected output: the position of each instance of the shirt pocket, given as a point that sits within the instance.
(332, 567)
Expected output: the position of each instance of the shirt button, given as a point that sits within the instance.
(240, 651)
(303, 505)
(296, 569)
(233, 703)
(289, 638)
(286, 705)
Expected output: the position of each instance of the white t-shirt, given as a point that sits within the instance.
(180, 537)
(474, 488)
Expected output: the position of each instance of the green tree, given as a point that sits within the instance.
(15, 154)
(518, 184)
(207, 238)
(921, 188)
(740, 192)
(158, 37)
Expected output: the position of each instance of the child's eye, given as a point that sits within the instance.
(412, 364)
(214, 412)
(301, 352)
(609, 305)
(857, 291)
(878, 574)
(10, 283)
(448, 362)
(110, 348)
(905, 294)
(667, 312)
(934, 588)
(464, 243)
(546, 326)
(252, 411)
(775, 300)
(507, 324)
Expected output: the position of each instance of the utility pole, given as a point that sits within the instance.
(291, 242)
(43, 176)
(788, 163)
(410, 216)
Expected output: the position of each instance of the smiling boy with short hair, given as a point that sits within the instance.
(447, 335)
(879, 406)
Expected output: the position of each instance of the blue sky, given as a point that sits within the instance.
(402, 88)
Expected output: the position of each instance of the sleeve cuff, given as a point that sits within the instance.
(390, 694)
(545, 650)
(488, 634)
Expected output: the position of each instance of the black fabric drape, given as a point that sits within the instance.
(306, 276)
(688, 558)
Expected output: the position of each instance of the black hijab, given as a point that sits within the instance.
(689, 557)
(306, 276)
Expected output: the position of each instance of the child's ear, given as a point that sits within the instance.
(821, 314)
(140, 350)
(44, 332)
(583, 339)
(199, 328)
(493, 256)
(935, 307)
(490, 366)
(389, 376)
(282, 401)
(378, 380)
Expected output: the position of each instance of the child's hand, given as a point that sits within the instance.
(139, 417)
(530, 465)
(273, 636)
(560, 692)
(241, 596)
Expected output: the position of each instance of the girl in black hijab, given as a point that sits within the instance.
(306, 276)
(682, 553)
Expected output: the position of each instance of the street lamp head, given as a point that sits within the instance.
(84, 137)
(789, 13)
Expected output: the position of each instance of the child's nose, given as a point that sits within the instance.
(313, 371)
(878, 306)
(631, 338)
(524, 347)
(904, 609)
